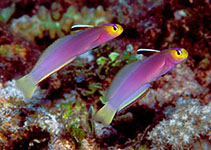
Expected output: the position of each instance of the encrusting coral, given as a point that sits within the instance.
(185, 125)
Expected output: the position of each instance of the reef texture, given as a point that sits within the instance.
(165, 90)
(187, 123)
(24, 126)
(55, 23)
(38, 125)
(17, 56)
(174, 115)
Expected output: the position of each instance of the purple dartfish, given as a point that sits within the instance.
(133, 81)
(64, 50)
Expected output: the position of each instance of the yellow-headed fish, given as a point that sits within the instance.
(133, 81)
(64, 50)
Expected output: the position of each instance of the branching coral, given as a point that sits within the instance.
(15, 128)
(185, 126)
(55, 23)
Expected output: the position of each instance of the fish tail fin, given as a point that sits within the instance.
(26, 85)
(105, 115)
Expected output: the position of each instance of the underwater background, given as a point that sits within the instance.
(176, 114)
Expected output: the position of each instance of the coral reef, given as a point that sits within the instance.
(165, 24)
(56, 23)
(59, 114)
(165, 90)
(29, 125)
(187, 123)
(16, 55)
(143, 20)
(203, 143)
(21, 124)
(74, 117)
(10, 50)
(188, 29)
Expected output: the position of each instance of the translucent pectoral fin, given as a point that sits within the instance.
(135, 97)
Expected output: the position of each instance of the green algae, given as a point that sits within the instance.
(102, 61)
(113, 56)
(71, 112)
(93, 87)
(144, 147)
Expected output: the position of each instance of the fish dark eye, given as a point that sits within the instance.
(115, 28)
(178, 53)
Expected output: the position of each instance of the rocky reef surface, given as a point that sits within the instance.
(174, 115)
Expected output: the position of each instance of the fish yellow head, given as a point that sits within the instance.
(178, 55)
(113, 29)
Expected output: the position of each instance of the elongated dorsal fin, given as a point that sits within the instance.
(147, 51)
(80, 27)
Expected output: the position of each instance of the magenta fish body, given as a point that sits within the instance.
(63, 51)
(134, 80)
